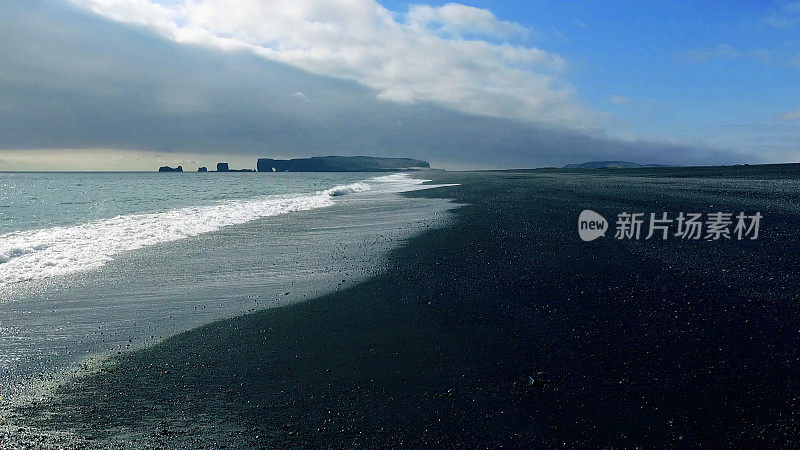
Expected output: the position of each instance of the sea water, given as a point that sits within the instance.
(93, 264)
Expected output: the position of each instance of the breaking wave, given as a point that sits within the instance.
(347, 189)
(44, 253)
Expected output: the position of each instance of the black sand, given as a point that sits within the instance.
(503, 329)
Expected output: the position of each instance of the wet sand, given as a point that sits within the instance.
(504, 329)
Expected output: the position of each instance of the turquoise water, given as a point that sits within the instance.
(55, 224)
(40, 200)
(95, 264)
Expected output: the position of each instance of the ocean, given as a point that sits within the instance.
(96, 264)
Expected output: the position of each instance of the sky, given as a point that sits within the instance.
(132, 84)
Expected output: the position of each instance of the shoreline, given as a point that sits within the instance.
(233, 270)
(502, 328)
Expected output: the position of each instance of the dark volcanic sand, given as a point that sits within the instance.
(625, 343)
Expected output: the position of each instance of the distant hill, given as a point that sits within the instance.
(610, 165)
(340, 164)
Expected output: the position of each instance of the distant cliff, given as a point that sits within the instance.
(223, 167)
(609, 165)
(340, 164)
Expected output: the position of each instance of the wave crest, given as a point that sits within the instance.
(346, 189)
(44, 253)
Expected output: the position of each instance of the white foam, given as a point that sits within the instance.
(39, 254)
(400, 182)
(347, 189)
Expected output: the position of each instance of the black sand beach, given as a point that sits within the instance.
(504, 329)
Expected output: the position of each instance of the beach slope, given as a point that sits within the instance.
(502, 329)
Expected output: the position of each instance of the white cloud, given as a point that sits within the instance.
(791, 115)
(428, 55)
(792, 7)
(765, 56)
(460, 19)
(701, 55)
(787, 16)
(620, 100)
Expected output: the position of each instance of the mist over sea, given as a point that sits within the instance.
(93, 264)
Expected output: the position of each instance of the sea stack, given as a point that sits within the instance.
(202, 169)
(170, 169)
(222, 167)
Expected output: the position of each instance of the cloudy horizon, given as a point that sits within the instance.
(126, 84)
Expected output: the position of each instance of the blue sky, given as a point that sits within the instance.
(468, 84)
(714, 71)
